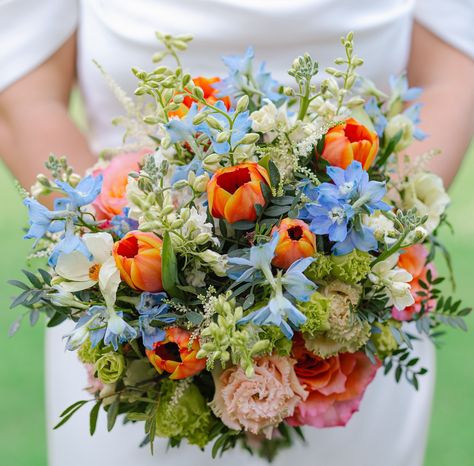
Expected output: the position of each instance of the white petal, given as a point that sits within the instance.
(100, 245)
(77, 286)
(109, 281)
(74, 266)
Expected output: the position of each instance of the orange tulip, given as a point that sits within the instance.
(210, 95)
(138, 257)
(350, 141)
(175, 356)
(233, 192)
(296, 241)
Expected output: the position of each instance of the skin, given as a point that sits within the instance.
(34, 118)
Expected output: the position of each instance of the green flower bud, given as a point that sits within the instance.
(87, 354)
(352, 267)
(242, 104)
(316, 311)
(320, 268)
(110, 367)
(384, 341)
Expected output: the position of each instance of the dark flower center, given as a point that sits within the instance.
(232, 181)
(128, 247)
(295, 233)
(168, 352)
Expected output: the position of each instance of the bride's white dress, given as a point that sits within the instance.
(392, 424)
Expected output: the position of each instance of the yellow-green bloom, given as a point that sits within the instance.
(384, 341)
(278, 343)
(316, 311)
(320, 268)
(352, 267)
(183, 413)
(110, 367)
(87, 354)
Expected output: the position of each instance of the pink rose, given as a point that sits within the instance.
(94, 385)
(260, 403)
(413, 260)
(112, 198)
(336, 386)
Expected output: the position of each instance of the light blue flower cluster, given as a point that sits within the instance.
(152, 308)
(63, 216)
(290, 284)
(338, 207)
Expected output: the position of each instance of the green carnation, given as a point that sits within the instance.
(278, 342)
(110, 367)
(384, 341)
(316, 311)
(87, 354)
(320, 268)
(183, 413)
(352, 267)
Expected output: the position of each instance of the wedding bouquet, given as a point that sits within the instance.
(250, 258)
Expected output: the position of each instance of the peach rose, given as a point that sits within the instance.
(112, 198)
(413, 260)
(336, 386)
(260, 403)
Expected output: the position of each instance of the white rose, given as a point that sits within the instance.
(425, 192)
(216, 261)
(265, 119)
(405, 125)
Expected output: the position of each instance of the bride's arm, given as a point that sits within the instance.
(34, 120)
(447, 76)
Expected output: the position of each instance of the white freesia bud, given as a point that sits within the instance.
(202, 238)
(250, 138)
(214, 123)
(180, 184)
(394, 126)
(223, 137)
(242, 104)
(200, 183)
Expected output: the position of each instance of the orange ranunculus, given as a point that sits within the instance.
(175, 356)
(296, 241)
(413, 260)
(138, 257)
(210, 95)
(112, 198)
(350, 141)
(234, 191)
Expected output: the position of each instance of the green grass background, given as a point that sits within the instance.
(22, 412)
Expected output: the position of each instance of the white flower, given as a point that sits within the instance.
(395, 280)
(80, 273)
(195, 277)
(265, 119)
(425, 192)
(401, 123)
(216, 261)
(383, 227)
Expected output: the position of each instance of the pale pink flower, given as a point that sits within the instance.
(260, 403)
(94, 385)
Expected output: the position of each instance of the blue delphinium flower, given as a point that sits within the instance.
(360, 237)
(413, 113)
(68, 243)
(329, 216)
(152, 308)
(183, 129)
(400, 89)
(280, 309)
(375, 113)
(101, 324)
(41, 219)
(84, 193)
(181, 172)
(240, 128)
(122, 224)
(241, 80)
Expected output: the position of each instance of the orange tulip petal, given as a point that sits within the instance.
(241, 205)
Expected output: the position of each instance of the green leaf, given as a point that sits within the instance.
(34, 316)
(243, 225)
(169, 268)
(274, 174)
(94, 414)
(20, 299)
(19, 284)
(276, 210)
(34, 280)
(194, 317)
(112, 413)
(15, 326)
(398, 373)
(69, 412)
(45, 276)
(75, 405)
(58, 318)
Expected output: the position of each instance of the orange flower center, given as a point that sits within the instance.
(295, 233)
(94, 272)
(168, 352)
(128, 247)
(356, 133)
(232, 181)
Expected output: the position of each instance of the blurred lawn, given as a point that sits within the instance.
(22, 427)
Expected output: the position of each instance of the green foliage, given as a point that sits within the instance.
(316, 311)
(351, 268)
